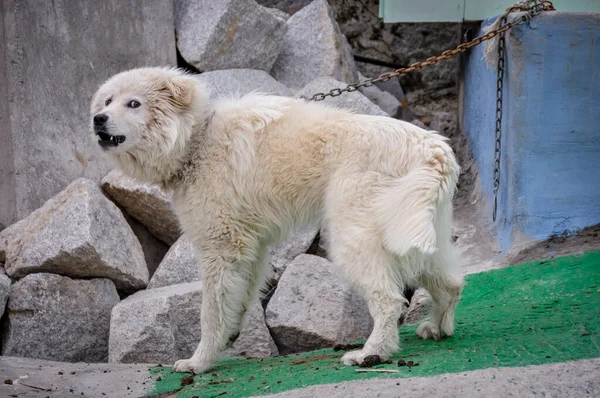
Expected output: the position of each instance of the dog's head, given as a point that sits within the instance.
(143, 118)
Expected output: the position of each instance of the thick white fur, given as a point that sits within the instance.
(246, 172)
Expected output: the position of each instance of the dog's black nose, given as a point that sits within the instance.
(100, 119)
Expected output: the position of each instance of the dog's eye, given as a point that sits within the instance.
(134, 104)
(107, 102)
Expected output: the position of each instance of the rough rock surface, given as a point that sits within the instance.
(446, 123)
(148, 204)
(238, 82)
(77, 233)
(46, 46)
(4, 290)
(286, 252)
(180, 265)
(314, 46)
(59, 318)
(156, 325)
(386, 101)
(254, 341)
(311, 308)
(214, 35)
(354, 101)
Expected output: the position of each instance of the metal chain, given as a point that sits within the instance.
(498, 133)
(532, 8)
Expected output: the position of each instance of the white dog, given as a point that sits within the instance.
(246, 172)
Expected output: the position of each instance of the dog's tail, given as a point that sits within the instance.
(415, 212)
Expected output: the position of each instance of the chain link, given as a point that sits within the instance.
(498, 130)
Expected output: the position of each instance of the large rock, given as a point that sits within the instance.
(77, 233)
(147, 203)
(227, 34)
(312, 308)
(180, 265)
(286, 252)
(58, 318)
(314, 46)
(354, 101)
(156, 325)
(46, 46)
(254, 341)
(238, 82)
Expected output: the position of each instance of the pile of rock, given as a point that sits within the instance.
(103, 273)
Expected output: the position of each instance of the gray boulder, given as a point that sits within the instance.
(156, 325)
(284, 253)
(77, 233)
(59, 318)
(314, 46)
(226, 34)
(354, 101)
(180, 265)
(147, 203)
(312, 308)
(254, 341)
(238, 82)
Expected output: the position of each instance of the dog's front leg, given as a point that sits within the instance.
(223, 296)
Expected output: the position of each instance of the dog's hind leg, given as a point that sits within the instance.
(370, 273)
(442, 280)
(356, 247)
(445, 292)
(224, 293)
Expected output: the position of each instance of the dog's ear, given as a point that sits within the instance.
(179, 90)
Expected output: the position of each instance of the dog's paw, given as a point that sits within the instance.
(356, 358)
(191, 365)
(428, 330)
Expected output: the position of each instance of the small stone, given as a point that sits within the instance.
(314, 46)
(370, 361)
(186, 380)
(228, 34)
(401, 362)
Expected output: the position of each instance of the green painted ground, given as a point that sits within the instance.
(529, 314)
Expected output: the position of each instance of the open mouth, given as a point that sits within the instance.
(107, 140)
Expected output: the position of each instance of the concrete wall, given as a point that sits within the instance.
(53, 56)
(551, 127)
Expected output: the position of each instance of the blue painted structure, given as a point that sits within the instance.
(550, 168)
